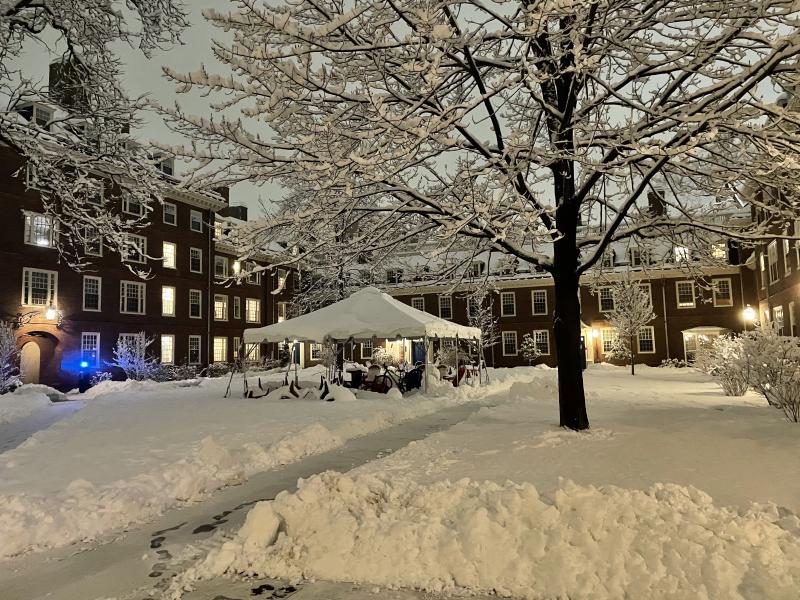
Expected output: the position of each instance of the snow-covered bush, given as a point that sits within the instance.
(673, 363)
(633, 310)
(99, 377)
(528, 348)
(381, 356)
(725, 360)
(773, 364)
(447, 355)
(9, 358)
(130, 355)
(218, 369)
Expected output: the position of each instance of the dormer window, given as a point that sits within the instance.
(477, 268)
(681, 254)
(607, 262)
(167, 166)
(42, 116)
(394, 276)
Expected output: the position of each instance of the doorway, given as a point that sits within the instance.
(30, 363)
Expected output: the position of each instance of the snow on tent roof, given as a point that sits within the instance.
(365, 314)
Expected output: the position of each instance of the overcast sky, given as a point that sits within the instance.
(144, 76)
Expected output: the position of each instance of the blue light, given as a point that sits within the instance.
(84, 364)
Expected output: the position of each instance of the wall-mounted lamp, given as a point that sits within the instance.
(595, 333)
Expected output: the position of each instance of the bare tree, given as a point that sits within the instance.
(130, 355)
(481, 314)
(73, 133)
(633, 310)
(502, 124)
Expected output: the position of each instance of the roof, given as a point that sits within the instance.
(366, 314)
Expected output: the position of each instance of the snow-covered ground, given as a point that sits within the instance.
(137, 449)
(25, 401)
(676, 492)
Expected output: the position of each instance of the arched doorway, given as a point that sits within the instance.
(30, 363)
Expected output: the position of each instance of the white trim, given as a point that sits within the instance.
(546, 332)
(200, 304)
(730, 291)
(503, 343)
(123, 284)
(126, 207)
(441, 297)
(513, 296)
(639, 340)
(96, 349)
(164, 213)
(600, 299)
(192, 215)
(371, 349)
(142, 251)
(52, 282)
(28, 228)
(533, 303)
(199, 360)
(161, 348)
(422, 298)
(174, 300)
(200, 250)
(678, 297)
(99, 293)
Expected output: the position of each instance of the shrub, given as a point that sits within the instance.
(773, 364)
(725, 360)
(218, 369)
(381, 356)
(100, 377)
(673, 363)
(529, 349)
(130, 355)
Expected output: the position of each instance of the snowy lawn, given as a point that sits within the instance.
(138, 449)
(655, 501)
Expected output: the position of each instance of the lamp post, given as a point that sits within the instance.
(749, 315)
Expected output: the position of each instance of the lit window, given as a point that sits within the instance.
(40, 230)
(787, 269)
(646, 340)
(90, 348)
(509, 343)
(418, 303)
(237, 307)
(608, 337)
(131, 297)
(681, 254)
(316, 351)
(195, 260)
(220, 307)
(508, 305)
(167, 301)
(91, 293)
(194, 349)
(169, 252)
(170, 213)
(195, 304)
(220, 266)
(220, 353)
(253, 310)
(685, 293)
(281, 279)
(722, 292)
(39, 288)
(196, 221)
(136, 246)
(606, 299)
(253, 276)
(539, 302)
(446, 307)
(92, 242)
(167, 349)
(541, 338)
(719, 251)
(237, 342)
(282, 310)
(777, 315)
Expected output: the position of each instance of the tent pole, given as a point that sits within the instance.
(457, 365)
(425, 366)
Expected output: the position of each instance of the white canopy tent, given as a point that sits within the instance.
(367, 314)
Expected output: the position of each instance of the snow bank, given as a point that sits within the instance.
(22, 403)
(669, 541)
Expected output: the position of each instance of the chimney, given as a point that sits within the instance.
(223, 191)
(65, 86)
(656, 205)
(234, 212)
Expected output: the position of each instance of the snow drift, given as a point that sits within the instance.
(669, 541)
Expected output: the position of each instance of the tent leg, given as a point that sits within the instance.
(457, 365)
(425, 373)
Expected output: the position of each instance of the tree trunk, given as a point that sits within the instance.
(633, 372)
(567, 326)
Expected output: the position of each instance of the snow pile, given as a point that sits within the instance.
(670, 541)
(22, 403)
(553, 439)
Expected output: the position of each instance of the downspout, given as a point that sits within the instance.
(664, 309)
(210, 286)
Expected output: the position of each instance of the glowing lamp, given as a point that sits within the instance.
(749, 313)
(237, 266)
(595, 333)
(84, 364)
(50, 313)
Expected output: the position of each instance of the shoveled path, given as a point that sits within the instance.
(137, 563)
(14, 433)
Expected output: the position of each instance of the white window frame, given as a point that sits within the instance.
(503, 296)
(714, 291)
(772, 261)
(678, 295)
(787, 268)
(778, 318)
(681, 254)
(254, 278)
(173, 264)
(364, 345)
(219, 259)
(608, 335)
(164, 312)
(283, 311)
(30, 228)
(199, 304)
(652, 338)
(141, 245)
(96, 347)
(247, 311)
(214, 354)
(45, 121)
(418, 300)
(600, 291)
(192, 252)
(546, 335)
(199, 360)
(542, 293)
(237, 342)
(123, 286)
(126, 206)
(316, 351)
(449, 302)
(503, 337)
(224, 299)
(196, 216)
(99, 281)
(92, 232)
(237, 307)
(52, 287)
(169, 360)
(282, 278)
(174, 213)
